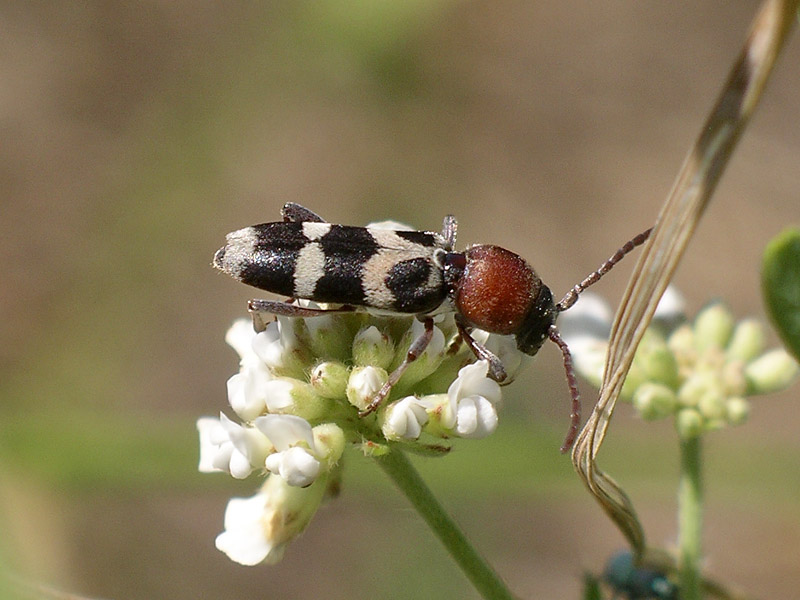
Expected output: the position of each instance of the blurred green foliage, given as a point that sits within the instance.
(780, 277)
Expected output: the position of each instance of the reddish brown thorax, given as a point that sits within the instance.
(496, 290)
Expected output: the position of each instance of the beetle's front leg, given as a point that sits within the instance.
(415, 350)
(496, 369)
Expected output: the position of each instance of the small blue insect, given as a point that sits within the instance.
(637, 583)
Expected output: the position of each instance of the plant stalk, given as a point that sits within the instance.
(690, 519)
(399, 468)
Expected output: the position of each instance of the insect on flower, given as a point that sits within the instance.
(406, 272)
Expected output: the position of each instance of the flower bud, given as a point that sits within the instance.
(682, 343)
(689, 423)
(294, 397)
(329, 379)
(712, 405)
(326, 337)
(373, 347)
(657, 361)
(699, 385)
(733, 379)
(257, 529)
(655, 401)
(737, 410)
(747, 341)
(713, 327)
(296, 465)
(771, 372)
(363, 384)
(404, 419)
(329, 442)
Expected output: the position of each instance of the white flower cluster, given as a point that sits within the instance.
(699, 372)
(299, 389)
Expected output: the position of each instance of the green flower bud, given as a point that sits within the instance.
(306, 403)
(329, 379)
(771, 372)
(373, 347)
(636, 377)
(747, 341)
(712, 405)
(657, 361)
(737, 409)
(328, 336)
(700, 385)
(681, 343)
(733, 378)
(363, 384)
(655, 401)
(689, 423)
(713, 327)
(329, 441)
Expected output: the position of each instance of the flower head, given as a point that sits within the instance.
(299, 390)
(698, 372)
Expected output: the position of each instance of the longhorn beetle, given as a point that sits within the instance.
(408, 272)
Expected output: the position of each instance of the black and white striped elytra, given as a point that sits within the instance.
(397, 271)
(411, 272)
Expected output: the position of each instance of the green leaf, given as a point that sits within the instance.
(591, 588)
(780, 282)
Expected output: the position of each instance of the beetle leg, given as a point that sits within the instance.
(416, 349)
(496, 369)
(257, 308)
(296, 213)
(449, 227)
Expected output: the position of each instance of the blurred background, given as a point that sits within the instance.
(135, 135)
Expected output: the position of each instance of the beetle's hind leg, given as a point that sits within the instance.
(295, 213)
(258, 308)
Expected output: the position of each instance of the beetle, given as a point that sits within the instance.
(406, 272)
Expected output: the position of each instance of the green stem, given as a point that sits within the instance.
(690, 519)
(397, 466)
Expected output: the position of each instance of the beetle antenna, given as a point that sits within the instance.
(571, 297)
(572, 382)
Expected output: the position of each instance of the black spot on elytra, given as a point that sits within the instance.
(408, 282)
(423, 238)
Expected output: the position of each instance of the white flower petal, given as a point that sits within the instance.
(476, 418)
(473, 380)
(590, 317)
(404, 419)
(363, 384)
(247, 391)
(209, 430)
(271, 344)
(278, 394)
(671, 306)
(285, 431)
(229, 447)
(245, 540)
(298, 467)
(240, 337)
